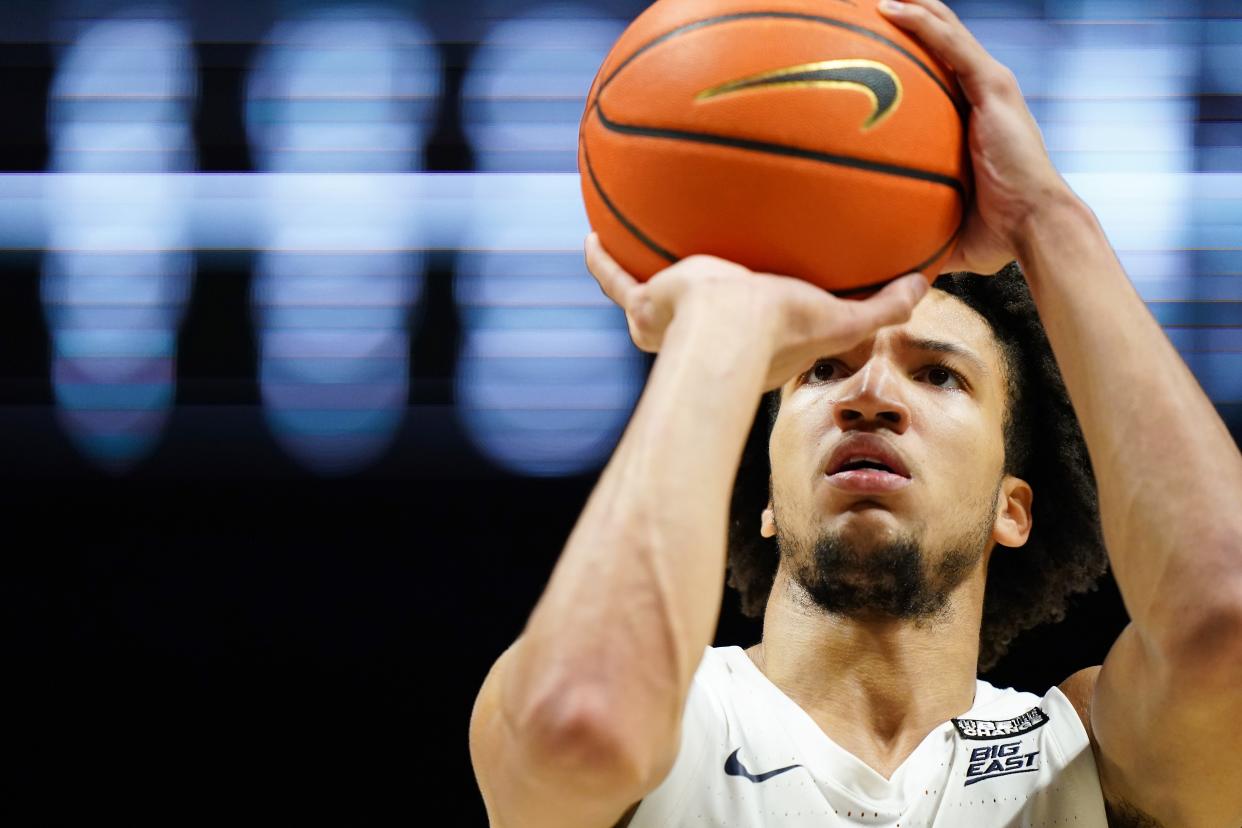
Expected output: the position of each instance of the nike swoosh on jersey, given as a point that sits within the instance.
(733, 767)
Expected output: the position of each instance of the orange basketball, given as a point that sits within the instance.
(810, 138)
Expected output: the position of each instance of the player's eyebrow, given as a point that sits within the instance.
(941, 346)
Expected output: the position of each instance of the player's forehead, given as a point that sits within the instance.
(942, 316)
(941, 320)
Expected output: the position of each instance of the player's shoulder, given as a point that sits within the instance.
(998, 711)
(721, 667)
(1078, 689)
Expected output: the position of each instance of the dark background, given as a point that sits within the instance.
(220, 632)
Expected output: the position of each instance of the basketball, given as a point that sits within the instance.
(809, 138)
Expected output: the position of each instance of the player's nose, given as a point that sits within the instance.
(871, 398)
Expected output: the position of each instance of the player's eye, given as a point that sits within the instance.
(941, 377)
(826, 370)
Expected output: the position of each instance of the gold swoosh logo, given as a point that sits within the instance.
(872, 78)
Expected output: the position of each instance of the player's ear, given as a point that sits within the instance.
(767, 522)
(1013, 512)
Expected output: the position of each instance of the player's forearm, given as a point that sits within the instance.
(1169, 474)
(636, 594)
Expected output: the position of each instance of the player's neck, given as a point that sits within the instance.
(876, 686)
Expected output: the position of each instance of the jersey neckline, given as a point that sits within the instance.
(837, 767)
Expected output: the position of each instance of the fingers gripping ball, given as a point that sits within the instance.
(811, 138)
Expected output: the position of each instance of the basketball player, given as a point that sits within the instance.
(894, 490)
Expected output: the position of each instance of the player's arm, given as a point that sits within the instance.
(1166, 703)
(1170, 478)
(581, 717)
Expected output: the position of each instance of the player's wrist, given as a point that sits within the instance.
(1056, 208)
(734, 324)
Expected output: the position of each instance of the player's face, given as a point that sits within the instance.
(887, 463)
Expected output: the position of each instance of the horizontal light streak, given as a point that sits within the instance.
(489, 211)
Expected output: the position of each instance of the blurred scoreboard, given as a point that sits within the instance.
(340, 210)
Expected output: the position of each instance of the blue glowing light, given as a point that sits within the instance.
(344, 90)
(116, 276)
(547, 376)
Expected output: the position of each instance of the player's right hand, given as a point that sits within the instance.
(796, 322)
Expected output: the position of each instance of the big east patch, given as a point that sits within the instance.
(1006, 758)
(991, 761)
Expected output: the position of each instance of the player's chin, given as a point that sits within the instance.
(866, 522)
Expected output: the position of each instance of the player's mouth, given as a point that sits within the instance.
(866, 464)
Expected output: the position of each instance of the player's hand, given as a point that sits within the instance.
(1013, 174)
(794, 320)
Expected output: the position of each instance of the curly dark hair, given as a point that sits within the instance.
(1044, 446)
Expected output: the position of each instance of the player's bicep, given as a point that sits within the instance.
(1165, 738)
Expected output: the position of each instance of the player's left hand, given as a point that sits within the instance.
(1014, 177)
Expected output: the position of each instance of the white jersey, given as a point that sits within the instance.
(751, 757)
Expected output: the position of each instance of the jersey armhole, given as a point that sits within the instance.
(1059, 711)
(1069, 735)
(703, 724)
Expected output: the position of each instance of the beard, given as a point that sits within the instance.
(897, 579)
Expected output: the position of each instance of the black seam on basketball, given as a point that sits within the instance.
(780, 149)
(918, 268)
(626, 223)
(958, 105)
(874, 286)
(961, 225)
